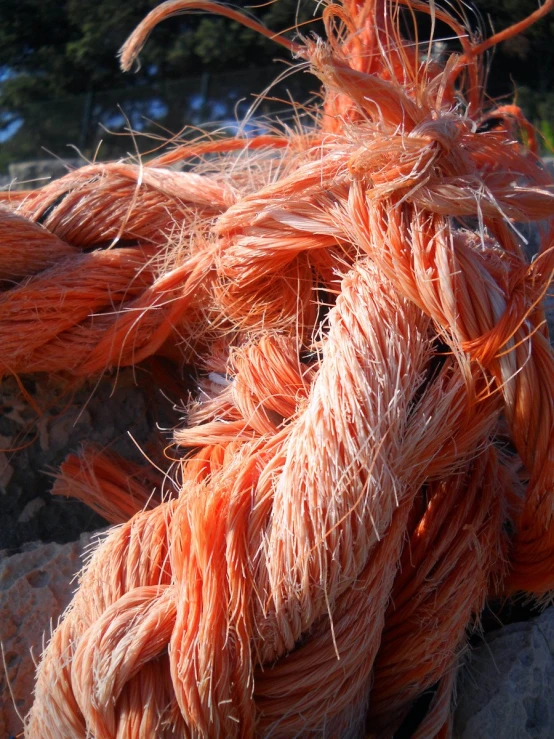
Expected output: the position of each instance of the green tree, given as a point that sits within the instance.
(56, 55)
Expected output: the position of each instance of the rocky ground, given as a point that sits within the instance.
(36, 585)
(120, 413)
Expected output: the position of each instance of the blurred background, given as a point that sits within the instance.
(63, 97)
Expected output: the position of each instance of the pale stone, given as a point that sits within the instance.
(32, 507)
(506, 691)
(36, 586)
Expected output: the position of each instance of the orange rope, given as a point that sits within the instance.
(369, 452)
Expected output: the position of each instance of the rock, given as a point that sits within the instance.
(30, 509)
(36, 586)
(6, 472)
(507, 688)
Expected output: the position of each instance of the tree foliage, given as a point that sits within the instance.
(54, 50)
(55, 53)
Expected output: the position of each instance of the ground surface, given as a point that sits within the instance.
(35, 441)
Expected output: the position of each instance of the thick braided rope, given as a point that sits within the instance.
(320, 510)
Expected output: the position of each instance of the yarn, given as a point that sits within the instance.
(369, 456)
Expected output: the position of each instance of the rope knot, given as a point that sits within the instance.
(429, 154)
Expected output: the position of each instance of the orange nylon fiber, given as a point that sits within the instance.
(369, 455)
